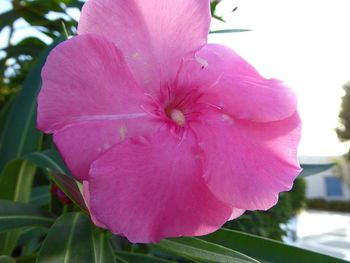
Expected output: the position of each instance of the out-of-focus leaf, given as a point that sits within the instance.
(266, 250)
(225, 31)
(204, 251)
(69, 186)
(15, 184)
(139, 258)
(51, 160)
(310, 169)
(48, 159)
(26, 259)
(75, 3)
(3, 118)
(103, 252)
(68, 241)
(20, 133)
(7, 18)
(14, 215)
(40, 195)
(29, 46)
(7, 259)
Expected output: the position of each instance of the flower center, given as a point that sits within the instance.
(177, 116)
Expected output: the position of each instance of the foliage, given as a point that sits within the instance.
(47, 18)
(343, 129)
(36, 225)
(268, 224)
(329, 205)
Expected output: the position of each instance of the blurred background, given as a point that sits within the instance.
(304, 43)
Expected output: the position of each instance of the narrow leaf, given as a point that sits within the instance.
(48, 159)
(51, 160)
(14, 215)
(68, 241)
(40, 195)
(139, 258)
(69, 186)
(203, 251)
(15, 184)
(103, 252)
(20, 135)
(265, 249)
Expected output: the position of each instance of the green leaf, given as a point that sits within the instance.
(68, 241)
(14, 215)
(7, 18)
(26, 259)
(31, 46)
(202, 250)
(40, 195)
(51, 160)
(48, 159)
(6, 259)
(15, 184)
(102, 250)
(310, 169)
(139, 258)
(70, 187)
(265, 249)
(20, 135)
(225, 31)
(16, 181)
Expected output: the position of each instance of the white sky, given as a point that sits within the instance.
(305, 43)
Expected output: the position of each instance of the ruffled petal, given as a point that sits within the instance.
(148, 188)
(230, 83)
(86, 78)
(153, 35)
(86, 193)
(248, 164)
(82, 143)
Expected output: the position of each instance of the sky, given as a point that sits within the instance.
(307, 45)
(304, 43)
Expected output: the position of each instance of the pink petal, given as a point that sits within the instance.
(230, 83)
(82, 143)
(248, 164)
(148, 188)
(153, 35)
(86, 78)
(86, 194)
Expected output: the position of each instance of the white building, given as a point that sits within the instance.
(331, 184)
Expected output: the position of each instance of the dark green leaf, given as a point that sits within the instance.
(26, 259)
(203, 251)
(68, 241)
(102, 250)
(6, 259)
(139, 258)
(40, 195)
(29, 46)
(225, 31)
(265, 249)
(7, 18)
(15, 184)
(20, 133)
(69, 186)
(15, 215)
(310, 169)
(49, 159)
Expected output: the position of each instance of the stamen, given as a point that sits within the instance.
(177, 116)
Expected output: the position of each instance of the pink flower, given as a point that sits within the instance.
(171, 136)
